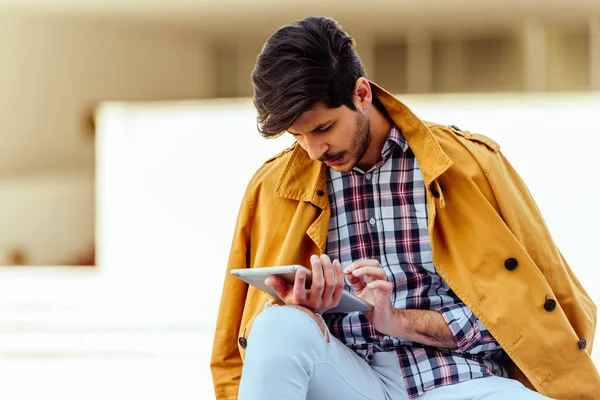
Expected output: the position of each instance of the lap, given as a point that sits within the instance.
(348, 376)
(335, 371)
(332, 371)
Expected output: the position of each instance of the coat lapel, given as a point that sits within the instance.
(304, 180)
(431, 158)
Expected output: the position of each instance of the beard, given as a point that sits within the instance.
(362, 138)
(359, 143)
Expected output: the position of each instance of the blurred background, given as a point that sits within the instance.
(123, 130)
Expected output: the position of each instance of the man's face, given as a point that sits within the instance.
(339, 137)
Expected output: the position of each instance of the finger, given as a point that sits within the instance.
(282, 289)
(318, 281)
(328, 276)
(364, 262)
(357, 283)
(299, 289)
(339, 282)
(375, 273)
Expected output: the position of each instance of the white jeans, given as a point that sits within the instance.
(288, 357)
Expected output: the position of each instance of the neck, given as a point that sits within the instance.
(380, 126)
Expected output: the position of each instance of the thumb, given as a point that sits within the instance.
(280, 287)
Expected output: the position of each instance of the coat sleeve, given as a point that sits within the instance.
(226, 361)
(522, 216)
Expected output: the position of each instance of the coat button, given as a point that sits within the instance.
(435, 193)
(550, 305)
(582, 343)
(320, 193)
(243, 342)
(511, 264)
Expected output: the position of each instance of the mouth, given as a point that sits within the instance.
(335, 161)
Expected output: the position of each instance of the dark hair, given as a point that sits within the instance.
(306, 62)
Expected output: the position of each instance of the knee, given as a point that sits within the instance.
(293, 323)
(285, 337)
(318, 320)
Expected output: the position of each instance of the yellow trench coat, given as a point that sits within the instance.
(489, 243)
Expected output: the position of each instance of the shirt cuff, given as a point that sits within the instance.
(463, 325)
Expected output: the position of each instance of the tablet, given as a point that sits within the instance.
(256, 277)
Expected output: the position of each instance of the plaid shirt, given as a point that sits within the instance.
(382, 215)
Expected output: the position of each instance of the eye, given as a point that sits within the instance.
(323, 130)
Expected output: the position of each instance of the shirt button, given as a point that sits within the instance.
(550, 305)
(511, 264)
(243, 343)
(372, 221)
(582, 344)
(368, 176)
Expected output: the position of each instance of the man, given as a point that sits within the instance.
(427, 222)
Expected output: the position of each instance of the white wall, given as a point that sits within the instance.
(170, 178)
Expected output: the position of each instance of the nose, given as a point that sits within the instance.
(315, 148)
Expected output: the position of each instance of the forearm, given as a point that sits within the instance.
(423, 326)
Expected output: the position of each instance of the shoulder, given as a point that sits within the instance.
(271, 170)
(282, 156)
(447, 134)
(464, 147)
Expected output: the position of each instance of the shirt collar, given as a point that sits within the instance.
(394, 138)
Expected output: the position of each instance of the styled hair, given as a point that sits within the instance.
(302, 64)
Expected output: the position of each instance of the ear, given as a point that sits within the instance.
(363, 96)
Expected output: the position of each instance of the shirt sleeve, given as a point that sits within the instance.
(470, 334)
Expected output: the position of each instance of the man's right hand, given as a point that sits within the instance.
(325, 290)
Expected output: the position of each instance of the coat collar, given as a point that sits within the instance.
(304, 179)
